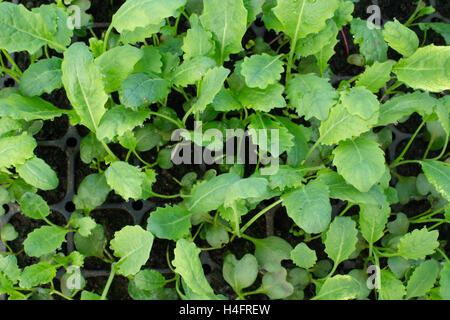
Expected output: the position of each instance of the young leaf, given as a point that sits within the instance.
(18, 107)
(228, 25)
(92, 192)
(187, 264)
(376, 76)
(8, 233)
(391, 288)
(171, 223)
(418, 244)
(143, 13)
(341, 239)
(303, 256)
(444, 281)
(151, 61)
(371, 42)
(263, 100)
(372, 221)
(192, 70)
(209, 87)
(210, 195)
(38, 174)
(297, 153)
(16, 150)
(36, 274)
(360, 102)
(141, 89)
(34, 206)
(315, 42)
(240, 274)
(43, 76)
(197, 42)
(400, 38)
(426, 69)
(261, 70)
(311, 96)
(438, 174)
(341, 125)
(422, 279)
(271, 251)
(149, 280)
(401, 106)
(9, 267)
(82, 80)
(309, 206)
(361, 162)
(338, 288)
(133, 245)
(339, 189)
(302, 17)
(44, 240)
(125, 179)
(118, 120)
(117, 64)
(92, 245)
(287, 177)
(24, 30)
(275, 285)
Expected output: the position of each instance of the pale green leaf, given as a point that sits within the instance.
(275, 285)
(341, 239)
(187, 264)
(242, 273)
(82, 80)
(261, 70)
(341, 125)
(401, 106)
(125, 179)
(228, 25)
(16, 150)
(309, 206)
(400, 38)
(198, 41)
(372, 221)
(119, 120)
(92, 245)
(117, 64)
(151, 61)
(36, 274)
(41, 77)
(338, 288)
(418, 244)
(143, 89)
(209, 87)
(427, 69)
(422, 279)
(38, 173)
(34, 206)
(360, 102)
(44, 240)
(444, 281)
(92, 192)
(303, 256)
(438, 174)
(263, 100)
(192, 70)
(132, 245)
(171, 223)
(311, 96)
(371, 42)
(149, 280)
(361, 162)
(19, 107)
(142, 13)
(271, 251)
(376, 76)
(391, 288)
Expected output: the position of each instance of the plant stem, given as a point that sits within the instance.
(259, 214)
(349, 205)
(400, 157)
(105, 39)
(443, 254)
(175, 122)
(13, 63)
(413, 16)
(108, 283)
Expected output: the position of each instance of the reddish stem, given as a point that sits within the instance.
(345, 41)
